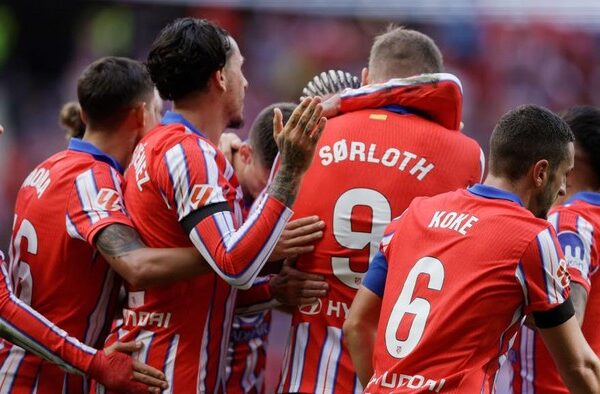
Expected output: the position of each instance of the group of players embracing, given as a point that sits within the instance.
(362, 211)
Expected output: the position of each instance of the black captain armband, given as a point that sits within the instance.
(555, 316)
(195, 217)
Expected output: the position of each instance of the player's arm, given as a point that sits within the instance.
(360, 328)
(25, 327)
(578, 365)
(238, 254)
(144, 267)
(542, 272)
(578, 295)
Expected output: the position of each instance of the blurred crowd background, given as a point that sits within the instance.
(505, 55)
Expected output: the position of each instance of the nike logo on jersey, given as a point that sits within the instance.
(343, 150)
(459, 222)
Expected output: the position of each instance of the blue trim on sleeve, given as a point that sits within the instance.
(375, 277)
(494, 193)
(171, 117)
(78, 145)
(589, 197)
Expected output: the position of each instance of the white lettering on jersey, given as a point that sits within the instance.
(452, 221)
(139, 164)
(343, 150)
(394, 380)
(143, 319)
(39, 179)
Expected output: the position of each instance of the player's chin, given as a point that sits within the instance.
(236, 122)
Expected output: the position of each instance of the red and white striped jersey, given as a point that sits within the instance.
(176, 174)
(370, 164)
(53, 266)
(451, 305)
(578, 226)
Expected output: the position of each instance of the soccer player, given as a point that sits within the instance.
(181, 191)
(577, 223)
(371, 162)
(69, 209)
(457, 272)
(22, 325)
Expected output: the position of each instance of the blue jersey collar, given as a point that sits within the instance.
(399, 109)
(494, 193)
(171, 117)
(79, 145)
(589, 197)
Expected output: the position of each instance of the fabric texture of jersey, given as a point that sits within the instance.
(176, 173)
(369, 165)
(53, 266)
(578, 226)
(452, 304)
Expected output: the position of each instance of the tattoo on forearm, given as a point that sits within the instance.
(117, 239)
(285, 185)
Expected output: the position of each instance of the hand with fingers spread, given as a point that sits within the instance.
(298, 237)
(294, 287)
(297, 141)
(119, 372)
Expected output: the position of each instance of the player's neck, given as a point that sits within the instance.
(206, 115)
(112, 144)
(517, 188)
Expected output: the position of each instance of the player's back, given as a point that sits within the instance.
(578, 226)
(53, 266)
(369, 166)
(185, 325)
(462, 269)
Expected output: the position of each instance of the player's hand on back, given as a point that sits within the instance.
(297, 139)
(294, 287)
(117, 371)
(298, 237)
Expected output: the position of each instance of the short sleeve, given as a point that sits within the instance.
(543, 274)
(376, 276)
(189, 176)
(575, 235)
(95, 201)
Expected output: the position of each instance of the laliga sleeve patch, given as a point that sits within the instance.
(574, 250)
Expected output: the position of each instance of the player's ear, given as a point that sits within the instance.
(246, 153)
(540, 172)
(139, 115)
(364, 76)
(219, 78)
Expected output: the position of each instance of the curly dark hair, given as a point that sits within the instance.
(584, 120)
(185, 54)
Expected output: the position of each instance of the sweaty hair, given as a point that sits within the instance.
(584, 121)
(109, 87)
(70, 120)
(401, 53)
(261, 132)
(184, 56)
(525, 135)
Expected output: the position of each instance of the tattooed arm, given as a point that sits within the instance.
(144, 267)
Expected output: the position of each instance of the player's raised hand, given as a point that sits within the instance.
(298, 138)
(229, 143)
(294, 287)
(119, 372)
(298, 237)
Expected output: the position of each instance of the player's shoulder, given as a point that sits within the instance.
(176, 139)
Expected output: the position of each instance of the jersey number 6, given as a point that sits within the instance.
(20, 274)
(418, 307)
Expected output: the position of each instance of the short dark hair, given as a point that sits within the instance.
(525, 135)
(185, 54)
(401, 53)
(111, 85)
(584, 121)
(260, 135)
